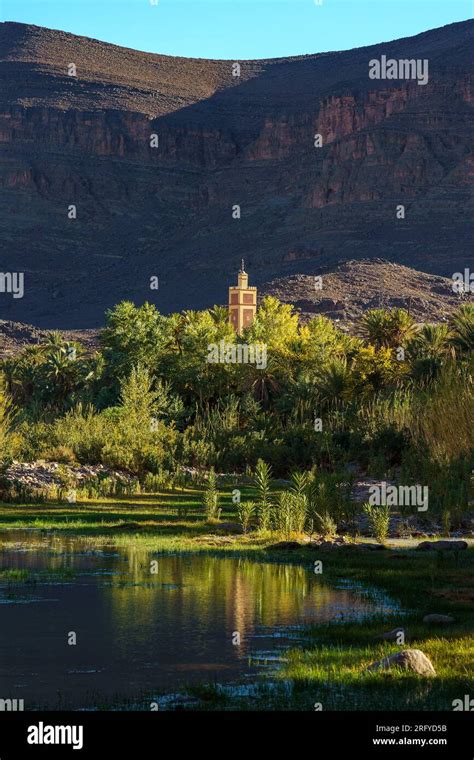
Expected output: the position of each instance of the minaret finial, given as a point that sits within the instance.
(242, 266)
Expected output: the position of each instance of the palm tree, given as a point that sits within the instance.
(220, 316)
(429, 351)
(334, 382)
(54, 341)
(462, 327)
(388, 329)
(179, 323)
(263, 383)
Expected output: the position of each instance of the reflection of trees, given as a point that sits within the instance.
(193, 595)
(203, 591)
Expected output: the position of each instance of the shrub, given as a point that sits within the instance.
(9, 441)
(211, 497)
(330, 493)
(262, 479)
(443, 423)
(127, 437)
(379, 520)
(325, 524)
(61, 454)
(289, 513)
(245, 511)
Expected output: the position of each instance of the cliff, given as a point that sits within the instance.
(85, 140)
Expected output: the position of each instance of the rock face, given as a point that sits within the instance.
(88, 140)
(408, 659)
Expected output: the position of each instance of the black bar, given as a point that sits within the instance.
(220, 734)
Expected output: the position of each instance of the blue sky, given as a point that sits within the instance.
(239, 29)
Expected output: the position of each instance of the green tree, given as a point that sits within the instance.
(334, 382)
(387, 328)
(462, 328)
(428, 351)
(134, 335)
(275, 324)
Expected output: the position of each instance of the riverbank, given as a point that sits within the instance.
(329, 669)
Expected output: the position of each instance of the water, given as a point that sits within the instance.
(140, 632)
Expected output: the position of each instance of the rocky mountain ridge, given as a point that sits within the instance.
(222, 142)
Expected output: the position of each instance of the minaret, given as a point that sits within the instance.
(242, 302)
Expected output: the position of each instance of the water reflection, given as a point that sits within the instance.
(145, 628)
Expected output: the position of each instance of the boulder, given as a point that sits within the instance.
(442, 545)
(408, 659)
(391, 635)
(438, 619)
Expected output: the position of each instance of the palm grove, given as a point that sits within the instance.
(393, 400)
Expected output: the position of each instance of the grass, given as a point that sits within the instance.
(331, 668)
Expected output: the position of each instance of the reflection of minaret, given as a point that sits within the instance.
(242, 302)
(240, 607)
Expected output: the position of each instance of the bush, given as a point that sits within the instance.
(379, 520)
(330, 493)
(211, 497)
(262, 480)
(324, 524)
(127, 437)
(9, 441)
(245, 511)
(289, 513)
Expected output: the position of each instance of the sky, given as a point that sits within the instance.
(239, 29)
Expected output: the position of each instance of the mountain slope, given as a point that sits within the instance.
(353, 287)
(223, 141)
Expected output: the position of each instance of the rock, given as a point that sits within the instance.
(285, 546)
(46, 475)
(328, 543)
(391, 635)
(442, 545)
(438, 619)
(408, 659)
(368, 546)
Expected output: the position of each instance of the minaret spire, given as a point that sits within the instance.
(242, 301)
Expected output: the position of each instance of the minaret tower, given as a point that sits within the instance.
(242, 302)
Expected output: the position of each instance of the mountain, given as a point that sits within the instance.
(352, 287)
(349, 289)
(15, 336)
(223, 141)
